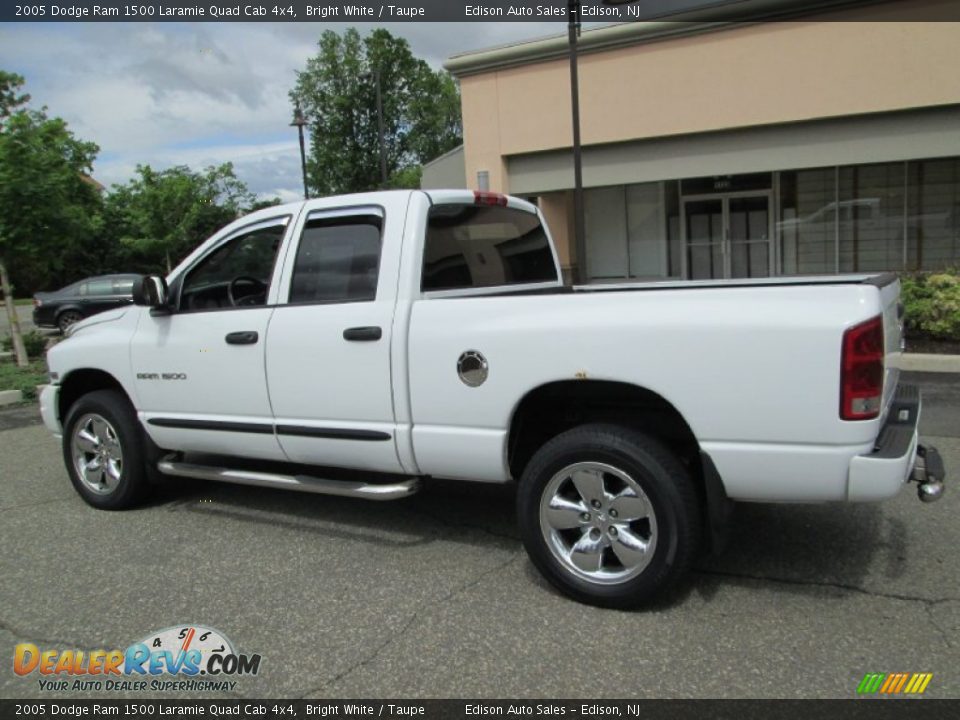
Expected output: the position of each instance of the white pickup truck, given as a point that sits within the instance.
(411, 335)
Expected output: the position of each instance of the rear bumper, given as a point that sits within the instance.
(44, 317)
(882, 473)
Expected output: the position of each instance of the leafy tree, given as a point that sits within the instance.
(337, 92)
(161, 215)
(47, 200)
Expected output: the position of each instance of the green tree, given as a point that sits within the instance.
(47, 202)
(161, 215)
(337, 92)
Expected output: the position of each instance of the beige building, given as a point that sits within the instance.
(824, 144)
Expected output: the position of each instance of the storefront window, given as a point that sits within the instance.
(806, 223)
(605, 218)
(870, 224)
(629, 233)
(933, 214)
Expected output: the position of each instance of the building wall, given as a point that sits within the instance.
(747, 76)
(447, 171)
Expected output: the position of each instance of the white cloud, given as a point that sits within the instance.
(199, 93)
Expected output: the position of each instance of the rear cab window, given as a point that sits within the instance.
(470, 246)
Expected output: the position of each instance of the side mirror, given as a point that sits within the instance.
(151, 291)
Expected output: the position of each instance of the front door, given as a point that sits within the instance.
(727, 236)
(199, 371)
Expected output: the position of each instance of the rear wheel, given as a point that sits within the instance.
(103, 451)
(609, 515)
(68, 318)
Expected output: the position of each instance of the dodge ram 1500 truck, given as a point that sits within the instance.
(357, 345)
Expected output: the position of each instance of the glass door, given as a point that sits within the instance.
(704, 227)
(727, 236)
(748, 223)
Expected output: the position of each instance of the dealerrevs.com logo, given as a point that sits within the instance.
(180, 658)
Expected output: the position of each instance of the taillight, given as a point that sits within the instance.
(482, 197)
(861, 371)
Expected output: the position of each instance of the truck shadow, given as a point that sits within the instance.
(456, 512)
(803, 549)
(817, 550)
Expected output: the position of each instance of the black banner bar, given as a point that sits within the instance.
(364, 11)
(858, 709)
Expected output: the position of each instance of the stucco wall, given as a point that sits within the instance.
(746, 76)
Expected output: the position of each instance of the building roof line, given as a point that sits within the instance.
(625, 34)
(448, 153)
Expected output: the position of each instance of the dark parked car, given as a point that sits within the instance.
(84, 298)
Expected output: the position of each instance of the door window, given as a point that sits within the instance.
(123, 287)
(98, 288)
(338, 260)
(236, 274)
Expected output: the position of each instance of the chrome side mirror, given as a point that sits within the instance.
(151, 291)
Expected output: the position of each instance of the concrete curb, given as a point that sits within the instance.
(10, 397)
(923, 362)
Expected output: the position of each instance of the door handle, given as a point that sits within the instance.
(372, 332)
(244, 337)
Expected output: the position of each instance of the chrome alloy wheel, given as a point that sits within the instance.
(598, 523)
(97, 456)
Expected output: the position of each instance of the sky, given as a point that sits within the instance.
(200, 94)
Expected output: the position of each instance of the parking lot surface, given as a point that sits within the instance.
(434, 597)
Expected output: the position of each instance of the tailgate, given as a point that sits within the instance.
(889, 286)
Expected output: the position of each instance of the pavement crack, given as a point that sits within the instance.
(411, 621)
(19, 633)
(34, 504)
(836, 586)
(944, 635)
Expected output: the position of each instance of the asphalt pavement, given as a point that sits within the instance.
(434, 597)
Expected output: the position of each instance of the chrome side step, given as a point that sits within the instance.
(302, 483)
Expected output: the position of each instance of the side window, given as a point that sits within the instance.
(122, 287)
(236, 274)
(338, 260)
(99, 288)
(473, 246)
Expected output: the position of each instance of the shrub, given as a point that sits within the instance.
(932, 305)
(33, 342)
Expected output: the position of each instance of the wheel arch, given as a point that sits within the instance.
(79, 382)
(555, 407)
(72, 307)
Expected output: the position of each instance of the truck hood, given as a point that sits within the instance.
(104, 317)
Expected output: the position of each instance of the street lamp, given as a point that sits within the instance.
(579, 222)
(299, 121)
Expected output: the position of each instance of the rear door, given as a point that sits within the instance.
(328, 347)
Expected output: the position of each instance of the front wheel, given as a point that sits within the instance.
(608, 515)
(103, 451)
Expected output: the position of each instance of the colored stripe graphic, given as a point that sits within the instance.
(894, 683)
(870, 683)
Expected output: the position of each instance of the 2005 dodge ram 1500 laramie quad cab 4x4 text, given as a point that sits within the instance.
(356, 345)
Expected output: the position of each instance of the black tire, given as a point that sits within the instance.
(672, 532)
(68, 318)
(130, 488)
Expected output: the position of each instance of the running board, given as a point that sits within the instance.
(301, 483)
